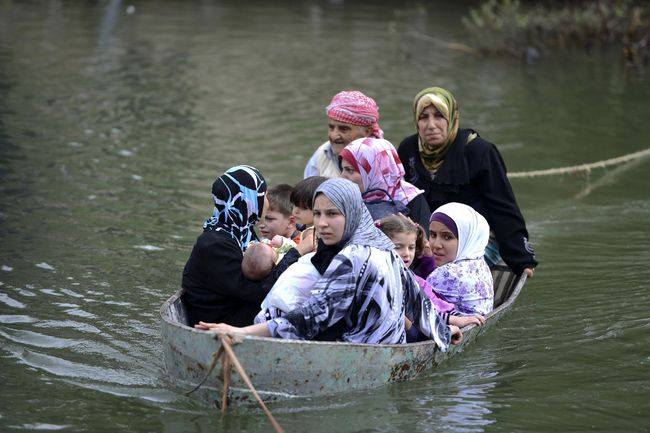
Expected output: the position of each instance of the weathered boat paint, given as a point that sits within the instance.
(282, 369)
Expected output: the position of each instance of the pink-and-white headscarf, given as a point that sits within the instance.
(377, 161)
(355, 108)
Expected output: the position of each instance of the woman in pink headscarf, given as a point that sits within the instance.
(373, 164)
(351, 115)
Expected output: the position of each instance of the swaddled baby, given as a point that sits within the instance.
(261, 257)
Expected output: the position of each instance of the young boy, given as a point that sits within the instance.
(302, 199)
(278, 219)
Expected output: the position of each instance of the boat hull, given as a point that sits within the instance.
(282, 369)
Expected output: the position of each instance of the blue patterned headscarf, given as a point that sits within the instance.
(238, 197)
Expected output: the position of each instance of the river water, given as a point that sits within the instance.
(116, 117)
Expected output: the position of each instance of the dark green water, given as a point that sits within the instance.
(114, 125)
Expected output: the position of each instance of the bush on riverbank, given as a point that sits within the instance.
(510, 27)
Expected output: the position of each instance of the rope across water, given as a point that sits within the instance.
(582, 167)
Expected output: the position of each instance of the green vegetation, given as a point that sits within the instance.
(516, 28)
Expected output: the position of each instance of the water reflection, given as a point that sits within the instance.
(109, 21)
(462, 400)
(114, 125)
(472, 410)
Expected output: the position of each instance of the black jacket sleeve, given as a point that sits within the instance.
(419, 212)
(215, 288)
(501, 210)
(474, 174)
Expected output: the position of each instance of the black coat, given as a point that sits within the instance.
(474, 174)
(215, 288)
(419, 212)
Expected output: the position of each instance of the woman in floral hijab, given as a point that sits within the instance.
(458, 237)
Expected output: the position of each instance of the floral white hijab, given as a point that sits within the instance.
(473, 229)
(466, 281)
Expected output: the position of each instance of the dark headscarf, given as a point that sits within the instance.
(238, 197)
(359, 226)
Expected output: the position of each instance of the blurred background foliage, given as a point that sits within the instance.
(531, 29)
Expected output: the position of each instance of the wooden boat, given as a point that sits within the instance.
(283, 369)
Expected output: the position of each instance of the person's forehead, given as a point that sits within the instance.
(437, 225)
(261, 248)
(405, 235)
(274, 214)
(323, 202)
(432, 108)
(337, 123)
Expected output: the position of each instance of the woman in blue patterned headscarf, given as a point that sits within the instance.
(238, 197)
(214, 287)
(365, 290)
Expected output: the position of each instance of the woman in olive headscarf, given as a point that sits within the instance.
(456, 165)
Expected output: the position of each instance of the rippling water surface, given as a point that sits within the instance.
(115, 120)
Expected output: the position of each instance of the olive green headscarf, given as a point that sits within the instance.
(433, 156)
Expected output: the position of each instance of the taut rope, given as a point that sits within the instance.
(215, 358)
(582, 167)
(228, 359)
(226, 344)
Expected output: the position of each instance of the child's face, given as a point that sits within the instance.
(405, 246)
(303, 216)
(443, 243)
(275, 223)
